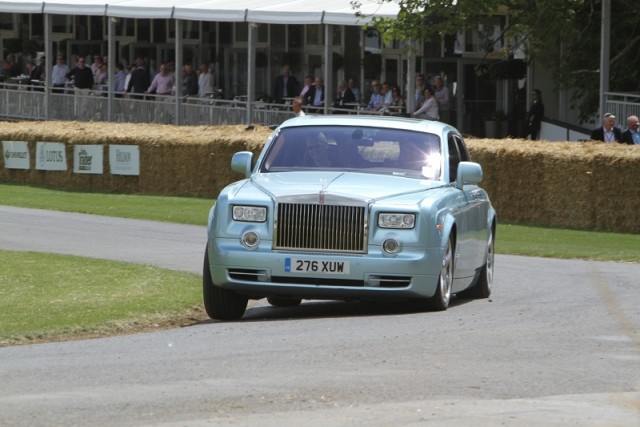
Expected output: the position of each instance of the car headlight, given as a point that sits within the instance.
(396, 220)
(250, 213)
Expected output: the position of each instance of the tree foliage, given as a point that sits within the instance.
(560, 35)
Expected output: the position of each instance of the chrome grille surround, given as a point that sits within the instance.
(321, 224)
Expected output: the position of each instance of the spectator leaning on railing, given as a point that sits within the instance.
(59, 73)
(81, 75)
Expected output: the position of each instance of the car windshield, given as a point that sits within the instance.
(355, 148)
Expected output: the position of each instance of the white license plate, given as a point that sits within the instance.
(302, 265)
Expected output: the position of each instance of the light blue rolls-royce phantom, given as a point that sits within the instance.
(351, 208)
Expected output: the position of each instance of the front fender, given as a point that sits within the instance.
(448, 223)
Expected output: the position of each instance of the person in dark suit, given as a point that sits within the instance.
(631, 135)
(139, 82)
(315, 96)
(286, 85)
(81, 75)
(535, 114)
(344, 96)
(608, 132)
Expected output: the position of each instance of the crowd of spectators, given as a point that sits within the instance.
(431, 102)
(135, 80)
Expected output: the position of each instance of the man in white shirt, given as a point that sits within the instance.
(608, 132)
(205, 81)
(59, 74)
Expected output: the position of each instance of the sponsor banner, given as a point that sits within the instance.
(124, 159)
(51, 156)
(15, 154)
(88, 159)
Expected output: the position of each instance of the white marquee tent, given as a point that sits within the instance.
(334, 12)
(307, 12)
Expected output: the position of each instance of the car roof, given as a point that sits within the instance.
(390, 122)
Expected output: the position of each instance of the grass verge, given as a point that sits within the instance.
(181, 210)
(47, 297)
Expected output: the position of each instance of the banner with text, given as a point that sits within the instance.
(51, 156)
(16, 154)
(124, 159)
(88, 159)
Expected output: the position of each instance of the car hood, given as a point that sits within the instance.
(352, 184)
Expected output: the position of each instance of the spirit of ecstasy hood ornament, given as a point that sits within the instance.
(323, 191)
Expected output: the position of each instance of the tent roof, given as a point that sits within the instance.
(337, 12)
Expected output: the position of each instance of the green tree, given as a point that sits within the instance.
(560, 35)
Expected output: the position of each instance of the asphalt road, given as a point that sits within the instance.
(557, 344)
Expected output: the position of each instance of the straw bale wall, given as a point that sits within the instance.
(181, 161)
(573, 185)
(585, 185)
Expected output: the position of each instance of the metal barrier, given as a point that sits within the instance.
(622, 105)
(26, 102)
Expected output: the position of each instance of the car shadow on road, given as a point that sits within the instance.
(262, 311)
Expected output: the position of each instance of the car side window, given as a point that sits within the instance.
(462, 149)
(454, 158)
(457, 153)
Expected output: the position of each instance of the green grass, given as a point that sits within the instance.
(47, 296)
(561, 243)
(182, 210)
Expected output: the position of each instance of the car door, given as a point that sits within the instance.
(470, 213)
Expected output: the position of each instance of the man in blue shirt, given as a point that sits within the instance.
(632, 135)
(376, 100)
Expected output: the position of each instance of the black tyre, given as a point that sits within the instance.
(220, 303)
(482, 289)
(440, 301)
(284, 302)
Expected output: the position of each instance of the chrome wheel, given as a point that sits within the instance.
(440, 301)
(488, 267)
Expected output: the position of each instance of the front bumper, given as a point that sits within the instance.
(263, 272)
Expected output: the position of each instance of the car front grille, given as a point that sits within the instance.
(320, 227)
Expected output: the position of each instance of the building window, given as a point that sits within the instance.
(144, 30)
(314, 35)
(6, 21)
(372, 41)
(125, 27)
(97, 28)
(241, 34)
(209, 32)
(486, 36)
(337, 35)
(62, 24)
(191, 30)
(295, 35)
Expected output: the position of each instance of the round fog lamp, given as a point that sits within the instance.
(391, 246)
(250, 239)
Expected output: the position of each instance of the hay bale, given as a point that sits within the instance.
(574, 185)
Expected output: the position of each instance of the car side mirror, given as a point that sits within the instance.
(241, 162)
(468, 173)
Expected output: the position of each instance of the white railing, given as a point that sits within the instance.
(622, 105)
(27, 102)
